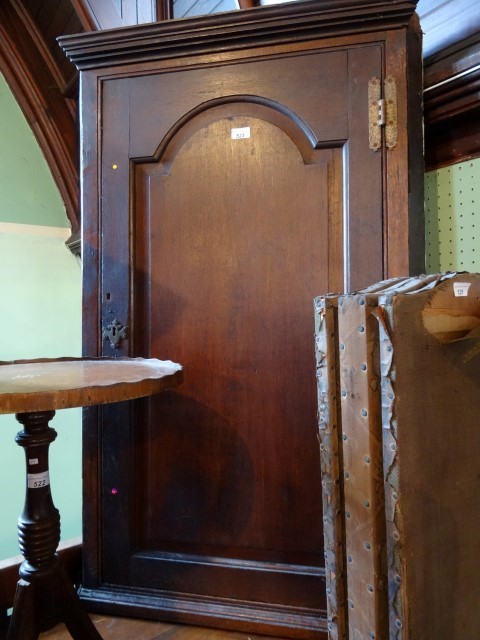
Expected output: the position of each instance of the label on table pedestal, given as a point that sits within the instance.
(38, 480)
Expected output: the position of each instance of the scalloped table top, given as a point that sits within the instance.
(61, 383)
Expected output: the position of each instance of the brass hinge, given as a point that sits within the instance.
(382, 113)
(391, 127)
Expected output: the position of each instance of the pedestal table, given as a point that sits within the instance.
(34, 390)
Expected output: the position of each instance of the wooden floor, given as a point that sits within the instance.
(129, 629)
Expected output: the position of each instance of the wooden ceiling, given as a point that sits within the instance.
(45, 83)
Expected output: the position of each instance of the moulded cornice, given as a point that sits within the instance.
(282, 24)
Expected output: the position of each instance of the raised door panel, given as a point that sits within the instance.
(231, 197)
(233, 264)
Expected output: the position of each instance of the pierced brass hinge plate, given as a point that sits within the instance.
(391, 127)
(374, 122)
(382, 113)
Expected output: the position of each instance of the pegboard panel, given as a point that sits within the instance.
(452, 218)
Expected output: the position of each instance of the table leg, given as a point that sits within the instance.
(44, 595)
(23, 623)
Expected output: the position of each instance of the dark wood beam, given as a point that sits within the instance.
(452, 104)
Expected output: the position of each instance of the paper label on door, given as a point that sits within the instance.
(460, 289)
(240, 133)
(38, 480)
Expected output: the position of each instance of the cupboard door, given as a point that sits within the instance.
(231, 196)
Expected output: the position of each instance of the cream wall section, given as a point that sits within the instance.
(452, 213)
(40, 312)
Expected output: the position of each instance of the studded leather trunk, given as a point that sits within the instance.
(402, 477)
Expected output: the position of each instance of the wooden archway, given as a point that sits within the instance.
(44, 84)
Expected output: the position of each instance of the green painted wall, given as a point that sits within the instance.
(40, 313)
(28, 194)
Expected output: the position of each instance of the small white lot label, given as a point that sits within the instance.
(38, 480)
(460, 289)
(240, 133)
(32, 461)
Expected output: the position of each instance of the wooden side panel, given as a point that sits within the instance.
(431, 452)
(362, 467)
(331, 457)
(402, 64)
(364, 63)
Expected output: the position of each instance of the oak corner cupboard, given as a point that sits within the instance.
(233, 168)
